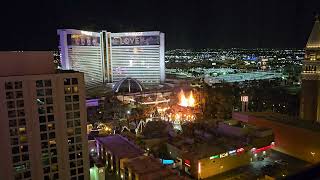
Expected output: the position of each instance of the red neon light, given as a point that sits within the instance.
(262, 149)
(187, 162)
(240, 150)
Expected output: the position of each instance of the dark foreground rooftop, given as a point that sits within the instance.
(285, 119)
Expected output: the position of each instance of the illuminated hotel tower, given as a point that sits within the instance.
(310, 96)
(106, 57)
(83, 51)
(43, 119)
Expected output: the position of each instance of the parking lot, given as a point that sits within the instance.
(276, 164)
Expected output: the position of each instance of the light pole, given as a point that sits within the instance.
(128, 113)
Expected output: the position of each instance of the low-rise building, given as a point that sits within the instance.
(116, 154)
(296, 138)
(146, 168)
(113, 149)
(233, 145)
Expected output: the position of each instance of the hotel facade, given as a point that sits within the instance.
(43, 119)
(106, 57)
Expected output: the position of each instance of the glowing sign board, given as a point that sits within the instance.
(240, 150)
(232, 152)
(167, 161)
(135, 40)
(82, 40)
(262, 149)
(244, 98)
(92, 102)
(224, 155)
(214, 157)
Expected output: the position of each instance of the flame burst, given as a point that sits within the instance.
(186, 102)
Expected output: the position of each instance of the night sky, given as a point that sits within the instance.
(188, 24)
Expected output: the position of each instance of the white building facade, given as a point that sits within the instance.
(83, 51)
(138, 55)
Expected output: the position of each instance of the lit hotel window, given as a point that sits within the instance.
(67, 90)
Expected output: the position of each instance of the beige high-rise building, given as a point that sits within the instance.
(310, 92)
(42, 119)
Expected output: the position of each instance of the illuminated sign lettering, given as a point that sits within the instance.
(135, 41)
(224, 155)
(214, 157)
(82, 40)
(167, 161)
(86, 33)
(134, 34)
(240, 150)
(232, 152)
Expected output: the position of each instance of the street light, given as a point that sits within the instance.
(313, 153)
(128, 112)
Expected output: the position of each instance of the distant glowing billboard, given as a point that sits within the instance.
(244, 98)
(92, 103)
(135, 40)
(167, 161)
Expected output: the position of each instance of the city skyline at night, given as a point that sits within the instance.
(160, 90)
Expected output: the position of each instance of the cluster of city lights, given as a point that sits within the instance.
(180, 116)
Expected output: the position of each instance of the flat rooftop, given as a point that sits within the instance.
(119, 146)
(150, 168)
(206, 148)
(285, 119)
(241, 124)
(143, 164)
(16, 63)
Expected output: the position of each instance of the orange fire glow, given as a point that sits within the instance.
(186, 102)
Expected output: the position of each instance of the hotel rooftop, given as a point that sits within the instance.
(119, 146)
(150, 168)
